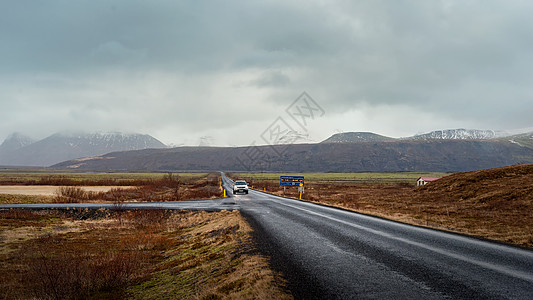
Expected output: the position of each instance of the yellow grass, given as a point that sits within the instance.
(170, 187)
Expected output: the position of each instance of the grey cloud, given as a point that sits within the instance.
(114, 52)
(272, 79)
(160, 61)
(179, 35)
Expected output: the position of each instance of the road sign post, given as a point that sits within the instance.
(292, 181)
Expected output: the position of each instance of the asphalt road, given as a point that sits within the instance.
(207, 205)
(328, 253)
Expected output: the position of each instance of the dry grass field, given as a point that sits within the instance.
(145, 254)
(495, 204)
(24, 177)
(71, 188)
(51, 190)
(116, 254)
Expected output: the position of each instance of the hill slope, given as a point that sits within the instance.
(356, 137)
(64, 146)
(435, 156)
(525, 139)
(495, 187)
(495, 203)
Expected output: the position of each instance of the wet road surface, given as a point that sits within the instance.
(330, 253)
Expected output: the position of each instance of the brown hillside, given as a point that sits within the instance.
(379, 156)
(493, 203)
(507, 187)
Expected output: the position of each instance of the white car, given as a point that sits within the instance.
(240, 186)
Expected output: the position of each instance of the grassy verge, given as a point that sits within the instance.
(143, 254)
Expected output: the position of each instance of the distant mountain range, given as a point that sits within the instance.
(457, 134)
(347, 152)
(19, 150)
(444, 150)
(449, 134)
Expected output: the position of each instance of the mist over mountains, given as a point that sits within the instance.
(20, 150)
(443, 150)
(14, 142)
(345, 152)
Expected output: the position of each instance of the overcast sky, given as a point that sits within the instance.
(223, 72)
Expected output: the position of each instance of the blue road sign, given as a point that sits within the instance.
(291, 180)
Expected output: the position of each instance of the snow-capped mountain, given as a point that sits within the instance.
(448, 134)
(69, 145)
(457, 134)
(115, 141)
